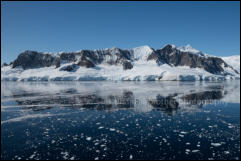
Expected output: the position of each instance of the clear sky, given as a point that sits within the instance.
(212, 27)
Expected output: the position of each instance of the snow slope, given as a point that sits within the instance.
(234, 61)
(141, 53)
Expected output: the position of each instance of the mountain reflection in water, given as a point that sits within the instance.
(95, 95)
(120, 120)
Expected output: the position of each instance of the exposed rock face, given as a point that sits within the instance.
(56, 62)
(112, 56)
(86, 63)
(69, 68)
(90, 57)
(116, 56)
(127, 65)
(4, 64)
(173, 56)
(33, 59)
(67, 57)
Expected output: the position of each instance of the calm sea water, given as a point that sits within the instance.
(120, 120)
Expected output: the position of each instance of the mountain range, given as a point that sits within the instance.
(140, 63)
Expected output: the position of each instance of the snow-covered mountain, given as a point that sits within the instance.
(140, 63)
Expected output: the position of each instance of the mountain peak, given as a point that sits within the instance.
(141, 52)
(169, 46)
(144, 47)
(188, 48)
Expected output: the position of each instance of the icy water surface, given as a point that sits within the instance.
(120, 120)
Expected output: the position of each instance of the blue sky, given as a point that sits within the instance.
(212, 27)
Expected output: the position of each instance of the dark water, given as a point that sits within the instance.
(120, 120)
